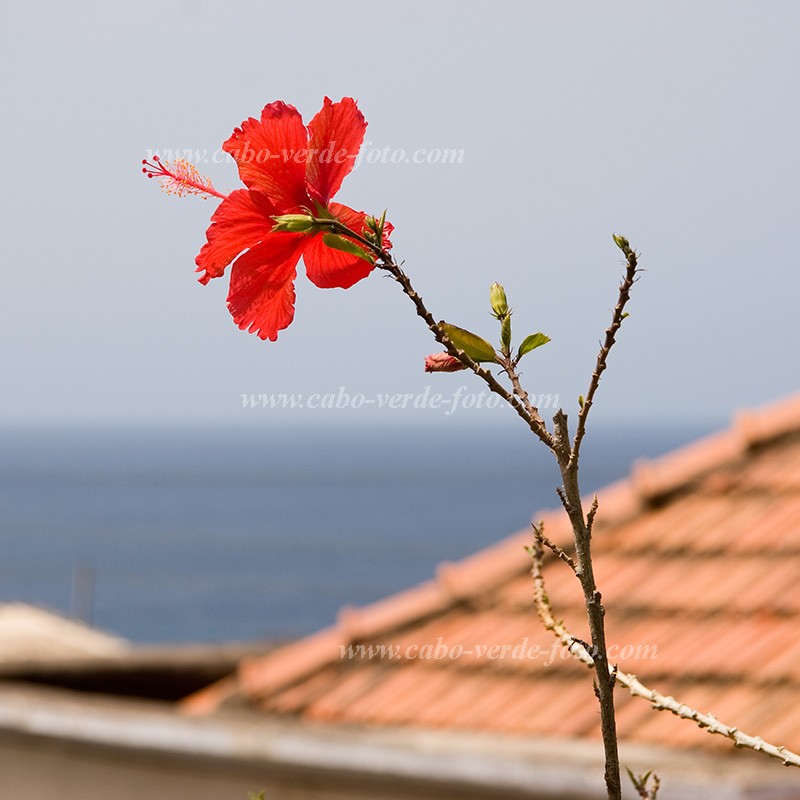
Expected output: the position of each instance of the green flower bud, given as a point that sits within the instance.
(497, 297)
(622, 243)
(375, 224)
(293, 223)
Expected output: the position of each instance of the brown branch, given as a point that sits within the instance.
(567, 458)
(657, 700)
(535, 423)
(608, 343)
(385, 261)
(561, 435)
(604, 679)
(570, 494)
(520, 392)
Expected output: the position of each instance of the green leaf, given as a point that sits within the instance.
(336, 242)
(531, 343)
(476, 348)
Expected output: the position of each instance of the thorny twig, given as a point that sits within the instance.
(657, 700)
(632, 267)
(557, 551)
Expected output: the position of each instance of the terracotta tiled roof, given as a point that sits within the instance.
(698, 559)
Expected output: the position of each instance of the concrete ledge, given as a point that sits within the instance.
(134, 741)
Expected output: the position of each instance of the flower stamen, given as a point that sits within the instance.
(179, 177)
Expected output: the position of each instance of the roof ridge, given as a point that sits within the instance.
(651, 479)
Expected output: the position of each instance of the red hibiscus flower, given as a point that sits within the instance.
(288, 168)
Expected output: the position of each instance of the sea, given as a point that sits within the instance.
(175, 535)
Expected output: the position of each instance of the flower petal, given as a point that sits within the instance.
(261, 296)
(328, 268)
(271, 154)
(241, 220)
(336, 135)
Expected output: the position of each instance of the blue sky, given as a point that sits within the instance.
(674, 124)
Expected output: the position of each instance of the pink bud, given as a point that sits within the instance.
(442, 362)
